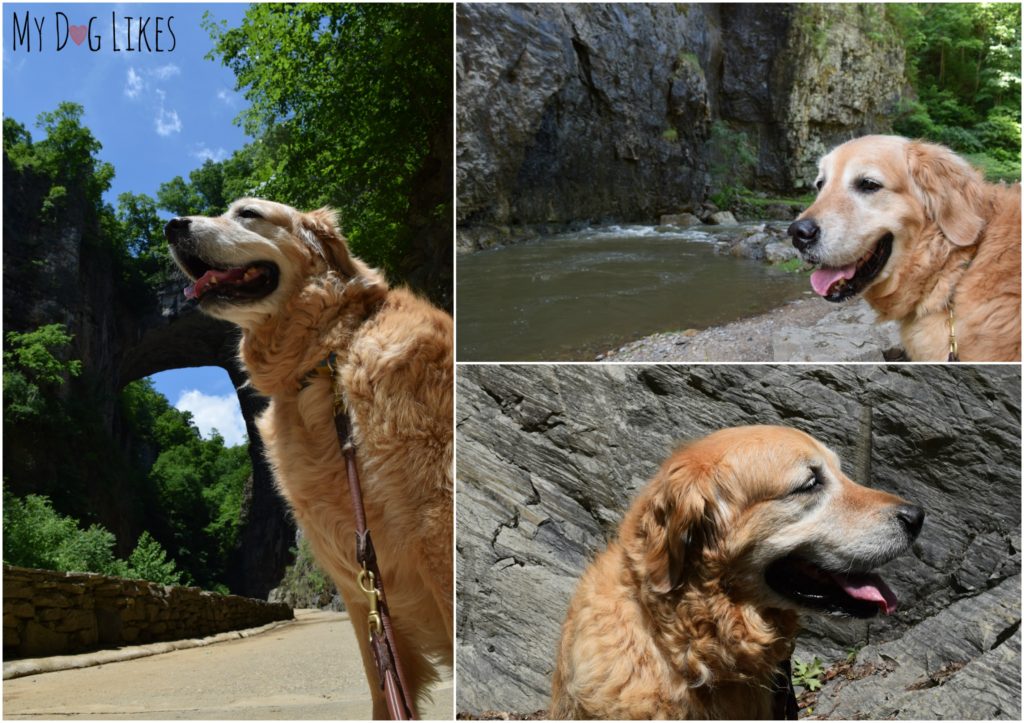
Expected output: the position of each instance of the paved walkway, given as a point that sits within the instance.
(305, 670)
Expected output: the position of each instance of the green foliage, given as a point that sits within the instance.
(304, 583)
(197, 484)
(140, 232)
(732, 161)
(792, 266)
(36, 535)
(963, 60)
(67, 155)
(148, 561)
(351, 106)
(34, 371)
(995, 169)
(34, 354)
(808, 675)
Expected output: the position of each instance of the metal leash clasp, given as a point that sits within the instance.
(373, 620)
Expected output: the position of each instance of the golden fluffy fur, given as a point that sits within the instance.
(956, 242)
(677, 618)
(395, 355)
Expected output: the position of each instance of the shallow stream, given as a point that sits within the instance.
(575, 295)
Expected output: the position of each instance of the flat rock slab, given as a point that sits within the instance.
(309, 669)
(805, 330)
(963, 663)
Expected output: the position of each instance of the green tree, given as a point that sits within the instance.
(963, 60)
(69, 155)
(140, 233)
(351, 106)
(36, 535)
(148, 561)
(34, 370)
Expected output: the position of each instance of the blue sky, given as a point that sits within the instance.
(159, 112)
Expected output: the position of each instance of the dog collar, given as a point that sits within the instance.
(325, 368)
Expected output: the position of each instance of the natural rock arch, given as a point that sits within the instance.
(176, 335)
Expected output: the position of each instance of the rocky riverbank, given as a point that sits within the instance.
(805, 330)
(808, 329)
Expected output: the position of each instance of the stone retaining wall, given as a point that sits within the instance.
(54, 613)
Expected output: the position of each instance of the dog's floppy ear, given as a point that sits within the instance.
(950, 189)
(677, 521)
(320, 230)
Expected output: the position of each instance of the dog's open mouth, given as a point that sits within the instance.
(250, 282)
(839, 284)
(860, 594)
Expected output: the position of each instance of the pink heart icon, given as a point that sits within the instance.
(78, 33)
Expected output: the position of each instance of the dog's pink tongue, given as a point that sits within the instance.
(868, 587)
(822, 279)
(212, 278)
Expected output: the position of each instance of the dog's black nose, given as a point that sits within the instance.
(911, 517)
(805, 233)
(176, 228)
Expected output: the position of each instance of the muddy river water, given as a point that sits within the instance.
(573, 296)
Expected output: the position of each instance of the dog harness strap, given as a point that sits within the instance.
(382, 636)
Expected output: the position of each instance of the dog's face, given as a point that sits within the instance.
(245, 263)
(876, 195)
(768, 513)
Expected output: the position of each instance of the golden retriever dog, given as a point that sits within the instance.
(692, 609)
(913, 227)
(287, 279)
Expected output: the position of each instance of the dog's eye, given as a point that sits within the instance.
(866, 185)
(813, 482)
(819, 183)
(249, 213)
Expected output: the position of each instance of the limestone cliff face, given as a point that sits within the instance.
(588, 113)
(549, 458)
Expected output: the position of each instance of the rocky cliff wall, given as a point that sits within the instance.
(596, 112)
(59, 613)
(549, 458)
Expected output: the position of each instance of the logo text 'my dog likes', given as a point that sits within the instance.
(130, 33)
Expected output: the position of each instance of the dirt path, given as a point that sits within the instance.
(308, 669)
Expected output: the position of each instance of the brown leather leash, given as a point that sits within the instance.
(382, 636)
(784, 705)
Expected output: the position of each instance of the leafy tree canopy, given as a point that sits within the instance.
(345, 103)
(964, 61)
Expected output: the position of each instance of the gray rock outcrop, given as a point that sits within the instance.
(549, 457)
(602, 112)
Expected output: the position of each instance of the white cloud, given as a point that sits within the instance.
(166, 121)
(214, 413)
(134, 85)
(226, 97)
(165, 71)
(203, 153)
